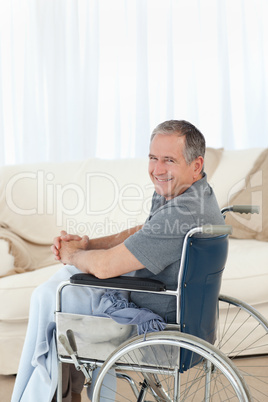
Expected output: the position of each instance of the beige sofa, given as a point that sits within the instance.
(100, 197)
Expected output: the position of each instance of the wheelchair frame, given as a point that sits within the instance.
(174, 337)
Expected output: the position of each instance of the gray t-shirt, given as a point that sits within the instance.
(158, 245)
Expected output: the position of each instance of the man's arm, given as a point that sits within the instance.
(106, 242)
(105, 263)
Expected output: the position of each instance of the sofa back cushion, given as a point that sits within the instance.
(97, 197)
(212, 159)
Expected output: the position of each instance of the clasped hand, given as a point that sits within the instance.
(66, 245)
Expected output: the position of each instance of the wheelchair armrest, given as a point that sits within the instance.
(119, 282)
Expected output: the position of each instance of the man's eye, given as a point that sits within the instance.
(170, 160)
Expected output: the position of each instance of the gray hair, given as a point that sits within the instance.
(195, 143)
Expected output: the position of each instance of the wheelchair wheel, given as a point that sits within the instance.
(243, 337)
(151, 367)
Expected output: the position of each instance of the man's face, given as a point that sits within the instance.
(168, 169)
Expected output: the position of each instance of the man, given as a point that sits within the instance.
(182, 200)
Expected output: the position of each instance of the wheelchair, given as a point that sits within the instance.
(204, 356)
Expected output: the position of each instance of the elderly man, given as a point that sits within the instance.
(182, 199)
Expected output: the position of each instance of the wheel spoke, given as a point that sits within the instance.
(155, 359)
(243, 337)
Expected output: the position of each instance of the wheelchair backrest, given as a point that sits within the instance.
(200, 286)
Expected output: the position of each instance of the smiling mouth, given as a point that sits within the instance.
(162, 180)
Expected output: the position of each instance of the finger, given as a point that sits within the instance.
(85, 239)
(56, 242)
(69, 237)
(54, 250)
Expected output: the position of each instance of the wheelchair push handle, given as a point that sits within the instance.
(241, 209)
(217, 229)
(246, 209)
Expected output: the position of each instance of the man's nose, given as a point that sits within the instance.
(159, 168)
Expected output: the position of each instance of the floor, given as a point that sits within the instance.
(7, 384)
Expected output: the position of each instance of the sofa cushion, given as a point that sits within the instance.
(246, 275)
(16, 291)
(255, 192)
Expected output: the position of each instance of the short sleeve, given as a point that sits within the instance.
(159, 243)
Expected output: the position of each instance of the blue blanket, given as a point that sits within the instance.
(115, 305)
(38, 372)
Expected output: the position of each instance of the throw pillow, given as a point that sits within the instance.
(7, 260)
(255, 192)
(27, 256)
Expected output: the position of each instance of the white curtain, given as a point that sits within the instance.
(86, 78)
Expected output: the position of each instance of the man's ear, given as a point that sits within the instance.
(198, 165)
